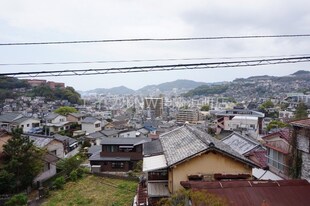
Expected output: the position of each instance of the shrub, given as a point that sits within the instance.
(17, 200)
(73, 175)
(59, 183)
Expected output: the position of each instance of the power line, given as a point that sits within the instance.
(173, 67)
(155, 39)
(143, 60)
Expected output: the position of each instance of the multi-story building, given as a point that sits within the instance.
(154, 105)
(188, 115)
(240, 119)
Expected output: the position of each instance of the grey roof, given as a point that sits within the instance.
(96, 135)
(62, 138)
(110, 132)
(40, 142)
(94, 149)
(97, 157)
(124, 141)
(9, 117)
(51, 116)
(152, 148)
(240, 112)
(186, 141)
(22, 119)
(76, 114)
(239, 143)
(90, 120)
(180, 144)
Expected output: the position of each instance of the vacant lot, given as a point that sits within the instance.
(93, 190)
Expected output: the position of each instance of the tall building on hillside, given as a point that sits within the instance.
(156, 105)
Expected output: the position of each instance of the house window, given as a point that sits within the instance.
(47, 166)
(117, 165)
(27, 125)
(112, 148)
(22, 126)
(276, 159)
(97, 125)
(54, 152)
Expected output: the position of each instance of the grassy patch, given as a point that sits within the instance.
(93, 190)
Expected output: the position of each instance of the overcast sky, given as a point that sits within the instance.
(67, 20)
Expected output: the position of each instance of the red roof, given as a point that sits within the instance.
(259, 157)
(281, 192)
(301, 123)
(283, 133)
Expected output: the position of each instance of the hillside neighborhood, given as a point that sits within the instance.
(236, 143)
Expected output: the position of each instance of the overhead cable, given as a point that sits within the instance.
(173, 67)
(155, 39)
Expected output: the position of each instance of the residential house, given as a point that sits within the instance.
(91, 124)
(56, 123)
(76, 117)
(301, 134)
(52, 145)
(240, 120)
(10, 121)
(263, 193)
(118, 154)
(278, 146)
(71, 146)
(55, 151)
(188, 153)
(49, 169)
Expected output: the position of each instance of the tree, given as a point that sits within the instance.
(205, 107)
(23, 161)
(301, 111)
(65, 110)
(276, 124)
(69, 164)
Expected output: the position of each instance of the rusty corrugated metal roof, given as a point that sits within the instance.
(301, 123)
(272, 193)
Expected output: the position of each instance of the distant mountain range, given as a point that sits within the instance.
(179, 86)
(187, 86)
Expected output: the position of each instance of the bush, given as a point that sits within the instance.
(17, 200)
(59, 183)
(73, 175)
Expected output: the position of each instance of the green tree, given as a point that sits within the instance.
(69, 164)
(65, 110)
(23, 161)
(276, 124)
(205, 107)
(301, 111)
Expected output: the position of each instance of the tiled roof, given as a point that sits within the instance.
(124, 141)
(62, 138)
(187, 141)
(180, 144)
(302, 123)
(89, 120)
(152, 148)
(51, 116)
(40, 141)
(282, 133)
(96, 135)
(9, 117)
(77, 115)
